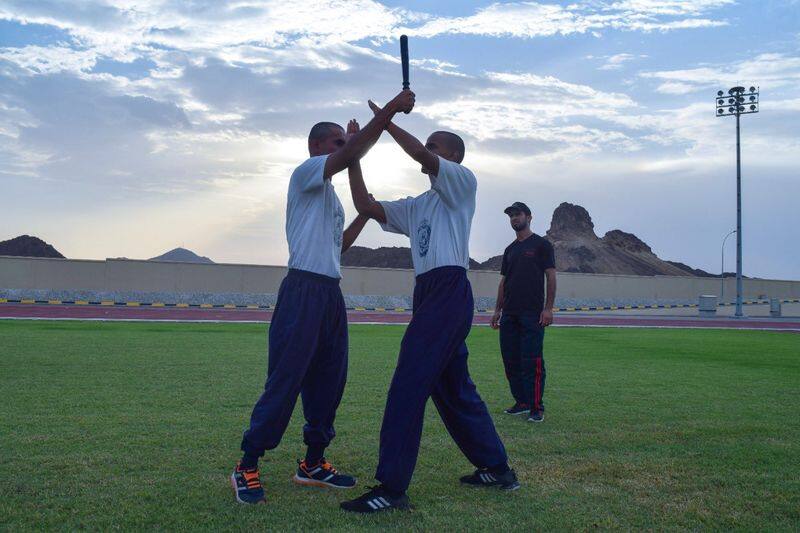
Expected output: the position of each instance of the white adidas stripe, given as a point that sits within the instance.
(378, 503)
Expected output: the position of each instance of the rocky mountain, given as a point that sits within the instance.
(579, 249)
(28, 246)
(700, 272)
(182, 255)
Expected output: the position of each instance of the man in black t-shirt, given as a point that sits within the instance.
(521, 312)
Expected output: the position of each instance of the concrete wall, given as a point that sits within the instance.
(157, 276)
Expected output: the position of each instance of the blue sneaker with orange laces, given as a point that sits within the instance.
(247, 485)
(323, 474)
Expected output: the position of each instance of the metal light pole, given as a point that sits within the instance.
(722, 269)
(738, 102)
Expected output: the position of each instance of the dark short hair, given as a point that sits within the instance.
(454, 143)
(322, 130)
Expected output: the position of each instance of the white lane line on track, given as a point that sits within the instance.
(172, 320)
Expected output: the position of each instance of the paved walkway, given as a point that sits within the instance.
(595, 319)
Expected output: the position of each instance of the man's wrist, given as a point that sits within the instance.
(390, 109)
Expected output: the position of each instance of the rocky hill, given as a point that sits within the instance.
(579, 249)
(699, 272)
(182, 255)
(28, 246)
(383, 257)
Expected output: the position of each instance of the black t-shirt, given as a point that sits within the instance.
(524, 264)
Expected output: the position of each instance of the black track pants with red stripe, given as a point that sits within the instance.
(521, 341)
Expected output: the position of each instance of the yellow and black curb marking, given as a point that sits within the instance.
(110, 303)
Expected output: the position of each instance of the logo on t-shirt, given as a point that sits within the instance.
(423, 237)
(338, 227)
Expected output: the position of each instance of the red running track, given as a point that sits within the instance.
(79, 312)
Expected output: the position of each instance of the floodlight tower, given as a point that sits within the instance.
(738, 102)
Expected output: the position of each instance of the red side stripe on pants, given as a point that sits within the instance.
(537, 385)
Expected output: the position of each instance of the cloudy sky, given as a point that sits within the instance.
(129, 128)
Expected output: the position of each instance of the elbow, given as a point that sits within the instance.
(419, 154)
(362, 207)
(366, 209)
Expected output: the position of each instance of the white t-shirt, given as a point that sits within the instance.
(439, 220)
(314, 220)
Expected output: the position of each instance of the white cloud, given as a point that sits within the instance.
(560, 118)
(669, 7)
(772, 70)
(533, 19)
(617, 61)
(49, 59)
(206, 25)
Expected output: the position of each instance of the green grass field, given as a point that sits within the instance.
(137, 425)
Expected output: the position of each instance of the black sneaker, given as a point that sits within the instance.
(518, 409)
(375, 501)
(247, 485)
(483, 477)
(322, 475)
(536, 416)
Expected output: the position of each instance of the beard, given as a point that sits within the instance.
(520, 227)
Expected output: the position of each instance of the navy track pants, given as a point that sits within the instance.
(433, 363)
(521, 341)
(307, 356)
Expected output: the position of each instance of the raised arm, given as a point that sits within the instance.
(410, 144)
(363, 200)
(353, 230)
(361, 142)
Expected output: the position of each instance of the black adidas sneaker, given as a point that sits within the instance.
(518, 409)
(536, 416)
(375, 501)
(483, 477)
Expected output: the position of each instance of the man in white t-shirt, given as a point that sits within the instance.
(433, 353)
(308, 331)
